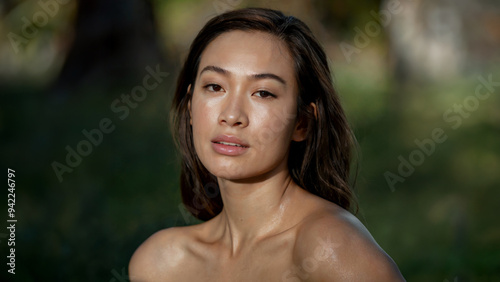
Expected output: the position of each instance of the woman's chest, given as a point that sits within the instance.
(271, 261)
(262, 269)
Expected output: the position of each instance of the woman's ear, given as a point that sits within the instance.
(315, 110)
(302, 126)
(189, 105)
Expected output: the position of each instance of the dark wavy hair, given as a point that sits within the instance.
(320, 163)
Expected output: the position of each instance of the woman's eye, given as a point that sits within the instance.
(265, 94)
(213, 87)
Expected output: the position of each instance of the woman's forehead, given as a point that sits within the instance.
(248, 53)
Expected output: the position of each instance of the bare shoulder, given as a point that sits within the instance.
(333, 244)
(160, 255)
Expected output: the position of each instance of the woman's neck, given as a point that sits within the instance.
(255, 209)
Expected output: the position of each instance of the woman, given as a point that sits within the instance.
(266, 151)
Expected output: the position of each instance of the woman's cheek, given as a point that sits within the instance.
(200, 114)
(273, 128)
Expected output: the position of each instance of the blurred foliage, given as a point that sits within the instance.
(438, 225)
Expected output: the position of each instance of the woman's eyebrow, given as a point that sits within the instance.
(254, 76)
(269, 75)
(215, 69)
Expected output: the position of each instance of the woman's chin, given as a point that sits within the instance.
(226, 169)
(230, 175)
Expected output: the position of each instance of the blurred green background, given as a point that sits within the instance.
(403, 69)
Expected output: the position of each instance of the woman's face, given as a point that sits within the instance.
(243, 109)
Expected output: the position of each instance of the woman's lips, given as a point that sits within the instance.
(229, 145)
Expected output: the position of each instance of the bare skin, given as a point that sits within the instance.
(318, 242)
(270, 229)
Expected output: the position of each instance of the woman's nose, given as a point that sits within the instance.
(233, 112)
